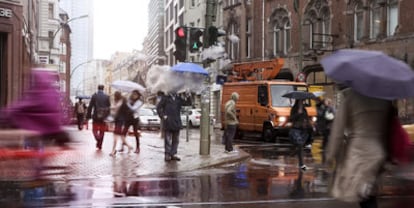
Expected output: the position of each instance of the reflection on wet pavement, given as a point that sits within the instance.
(271, 175)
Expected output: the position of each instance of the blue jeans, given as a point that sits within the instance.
(171, 142)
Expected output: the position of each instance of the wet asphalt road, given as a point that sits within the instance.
(269, 179)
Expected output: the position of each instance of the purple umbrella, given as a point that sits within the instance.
(371, 73)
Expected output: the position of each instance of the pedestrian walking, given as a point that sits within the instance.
(169, 110)
(301, 128)
(325, 116)
(134, 103)
(231, 122)
(80, 111)
(357, 145)
(98, 110)
(121, 114)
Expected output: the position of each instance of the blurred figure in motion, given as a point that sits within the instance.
(357, 146)
(99, 110)
(39, 109)
(121, 114)
(134, 103)
(325, 115)
(80, 110)
(169, 109)
(231, 122)
(299, 133)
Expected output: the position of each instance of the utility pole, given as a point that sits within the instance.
(205, 97)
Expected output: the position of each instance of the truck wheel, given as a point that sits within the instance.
(267, 134)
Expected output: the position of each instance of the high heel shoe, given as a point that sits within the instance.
(112, 154)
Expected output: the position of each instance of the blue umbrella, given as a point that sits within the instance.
(189, 67)
(371, 73)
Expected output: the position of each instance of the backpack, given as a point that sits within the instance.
(80, 108)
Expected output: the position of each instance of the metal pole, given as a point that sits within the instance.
(205, 97)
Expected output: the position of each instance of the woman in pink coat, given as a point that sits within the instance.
(358, 145)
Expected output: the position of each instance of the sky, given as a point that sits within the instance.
(119, 25)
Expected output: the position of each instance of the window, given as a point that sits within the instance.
(316, 23)
(281, 31)
(51, 39)
(233, 46)
(392, 14)
(249, 37)
(286, 35)
(358, 22)
(276, 39)
(375, 19)
(51, 11)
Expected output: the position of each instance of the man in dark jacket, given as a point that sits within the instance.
(169, 111)
(100, 105)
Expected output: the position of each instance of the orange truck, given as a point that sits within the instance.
(261, 107)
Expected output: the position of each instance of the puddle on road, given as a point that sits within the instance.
(272, 174)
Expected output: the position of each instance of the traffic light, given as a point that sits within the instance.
(195, 42)
(180, 43)
(213, 34)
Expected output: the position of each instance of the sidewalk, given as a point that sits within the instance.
(86, 162)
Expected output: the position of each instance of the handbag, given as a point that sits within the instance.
(399, 142)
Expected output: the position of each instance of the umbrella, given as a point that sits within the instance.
(127, 86)
(299, 95)
(189, 67)
(370, 73)
(83, 97)
(318, 93)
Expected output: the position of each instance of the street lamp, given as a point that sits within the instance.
(52, 39)
(72, 71)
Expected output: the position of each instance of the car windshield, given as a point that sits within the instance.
(147, 112)
(278, 90)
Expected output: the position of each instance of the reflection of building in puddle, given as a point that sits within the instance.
(279, 181)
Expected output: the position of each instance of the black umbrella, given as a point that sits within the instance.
(299, 95)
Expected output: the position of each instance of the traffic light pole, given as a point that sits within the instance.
(205, 100)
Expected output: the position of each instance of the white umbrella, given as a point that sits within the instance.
(319, 93)
(127, 86)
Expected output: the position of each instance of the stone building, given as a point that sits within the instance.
(280, 28)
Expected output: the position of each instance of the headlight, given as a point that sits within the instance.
(282, 119)
(314, 119)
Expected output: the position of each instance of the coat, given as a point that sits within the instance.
(98, 100)
(169, 110)
(230, 110)
(361, 154)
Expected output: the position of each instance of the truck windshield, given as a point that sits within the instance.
(278, 90)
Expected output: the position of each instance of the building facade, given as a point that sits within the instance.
(81, 24)
(302, 32)
(154, 41)
(18, 30)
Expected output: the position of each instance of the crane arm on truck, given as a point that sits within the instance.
(256, 70)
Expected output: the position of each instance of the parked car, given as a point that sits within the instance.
(148, 119)
(194, 116)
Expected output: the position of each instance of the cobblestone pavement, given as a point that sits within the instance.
(84, 161)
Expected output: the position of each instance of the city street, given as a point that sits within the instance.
(259, 175)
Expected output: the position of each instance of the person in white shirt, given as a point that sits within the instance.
(134, 103)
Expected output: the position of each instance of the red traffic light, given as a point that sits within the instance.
(180, 32)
